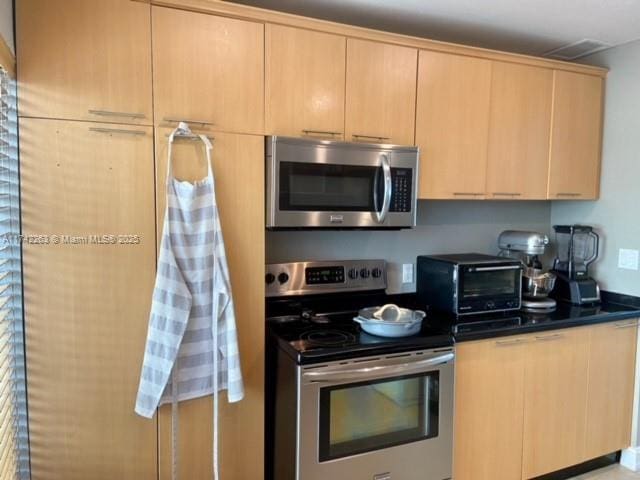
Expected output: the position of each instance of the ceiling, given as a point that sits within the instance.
(523, 26)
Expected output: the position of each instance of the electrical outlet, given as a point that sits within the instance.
(628, 259)
(407, 273)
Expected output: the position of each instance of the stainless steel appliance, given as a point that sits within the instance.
(577, 248)
(469, 283)
(536, 282)
(346, 404)
(326, 184)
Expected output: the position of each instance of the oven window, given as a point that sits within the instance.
(366, 416)
(490, 283)
(328, 187)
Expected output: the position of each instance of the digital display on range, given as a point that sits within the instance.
(324, 275)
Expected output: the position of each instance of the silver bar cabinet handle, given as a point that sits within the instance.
(553, 336)
(505, 343)
(320, 132)
(568, 194)
(107, 113)
(506, 194)
(375, 137)
(117, 130)
(187, 120)
(627, 325)
(467, 194)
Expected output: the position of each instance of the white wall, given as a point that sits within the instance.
(617, 213)
(6, 22)
(443, 227)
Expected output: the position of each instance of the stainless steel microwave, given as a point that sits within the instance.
(326, 184)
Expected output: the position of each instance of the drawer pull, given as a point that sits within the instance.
(626, 325)
(187, 120)
(506, 194)
(554, 336)
(320, 132)
(516, 341)
(467, 194)
(374, 137)
(568, 194)
(117, 130)
(107, 113)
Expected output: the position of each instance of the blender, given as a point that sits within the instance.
(577, 249)
(536, 283)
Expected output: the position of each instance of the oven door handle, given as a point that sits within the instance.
(388, 186)
(368, 372)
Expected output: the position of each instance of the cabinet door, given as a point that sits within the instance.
(85, 60)
(555, 401)
(381, 92)
(452, 125)
(519, 127)
(612, 361)
(576, 139)
(489, 403)
(87, 299)
(208, 70)
(238, 165)
(304, 82)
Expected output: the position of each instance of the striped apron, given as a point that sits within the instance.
(192, 348)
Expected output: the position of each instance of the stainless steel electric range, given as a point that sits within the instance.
(343, 404)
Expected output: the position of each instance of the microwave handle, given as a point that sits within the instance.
(386, 200)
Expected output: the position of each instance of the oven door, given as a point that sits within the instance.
(321, 184)
(380, 418)
(492, 287)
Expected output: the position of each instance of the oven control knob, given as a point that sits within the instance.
(269, 278)
(283, 278)
(353, 273)
(490, 305)
(365, 272)
(376, 272)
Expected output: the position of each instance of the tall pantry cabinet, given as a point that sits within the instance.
(93, 164)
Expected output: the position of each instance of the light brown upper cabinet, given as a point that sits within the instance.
(519, 126)
(452, 125)
(208, 71)
(612, 360)
(85, 60)
(381, 92)
(555, 401)
(576, 136)
(304, 82)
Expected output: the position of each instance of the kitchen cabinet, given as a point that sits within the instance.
(489, 406)
(381, 92)
(208, 71)
(84, 60)
(242, 217)
(452, 125)
(556, 373)
(576, 139)
(304, 82)
(519, 129)
(612, 360)
(87, 296)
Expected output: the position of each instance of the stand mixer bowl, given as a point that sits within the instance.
(537, 283)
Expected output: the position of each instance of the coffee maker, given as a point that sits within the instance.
(577, 248)
(536, 283)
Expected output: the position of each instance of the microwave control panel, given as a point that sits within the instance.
(401, 196)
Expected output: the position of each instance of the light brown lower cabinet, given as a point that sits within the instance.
(86, 302)
(238, 163)
(537, 403)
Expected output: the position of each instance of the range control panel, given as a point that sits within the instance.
(301, 278)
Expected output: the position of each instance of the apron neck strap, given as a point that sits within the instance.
(183, 130)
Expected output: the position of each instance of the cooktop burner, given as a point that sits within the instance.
(328, 338)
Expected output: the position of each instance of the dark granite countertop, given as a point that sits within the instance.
(520, 322)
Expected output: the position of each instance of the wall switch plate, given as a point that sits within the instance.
(407, 273)
(628, 259)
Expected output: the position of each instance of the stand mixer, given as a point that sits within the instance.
(536, 283)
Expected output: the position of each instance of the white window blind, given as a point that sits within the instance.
(14, 441)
